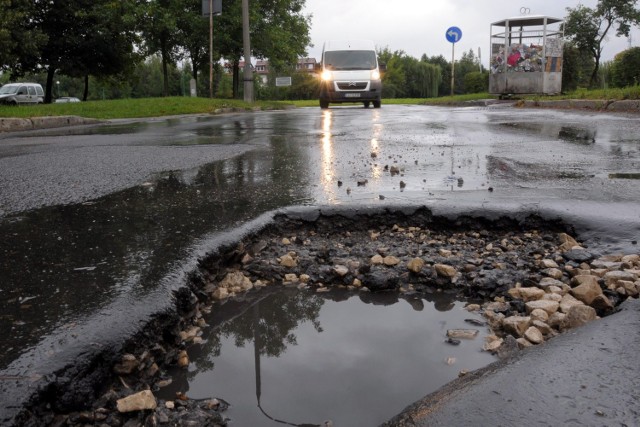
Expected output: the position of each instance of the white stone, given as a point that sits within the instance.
(516, 325)
(183, 359)
(567, 302)
(552, 297)
(493, 344)
(543, 327)
(390, 261)
(554, 273)
(288, 261)
(291, 278)
(587, 291)
(539, 314)
(445, 270)
(220, 293)
(415, 265)
(341, 270)
(377, 259)
(462, 333)
(614, 277)
(533, 335)
(236, 279)
(548, 263)
(444, 253)
(578, 315)
(531, 294)
(549, 306)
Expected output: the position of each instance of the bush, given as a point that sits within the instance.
(625, 69)
(476, 82)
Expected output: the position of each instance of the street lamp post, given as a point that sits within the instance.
(248, 75)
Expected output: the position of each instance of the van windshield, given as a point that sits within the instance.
(8, 89)
(350, 60)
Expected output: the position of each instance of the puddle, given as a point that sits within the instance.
(300, 358)
(624, 176)
(577, 135)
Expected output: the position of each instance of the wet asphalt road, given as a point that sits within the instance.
(99, 223)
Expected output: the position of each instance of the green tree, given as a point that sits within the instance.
(394, 79)
(105, 46)
(444, 89)
(626, 68)
(577, 65)
(159, 29)
(469, 63)
(20, 38)
(279, 31)
(588, 27)
(476, 82)
(192, 28)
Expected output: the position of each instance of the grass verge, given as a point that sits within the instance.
(156, 107)
(135, 108)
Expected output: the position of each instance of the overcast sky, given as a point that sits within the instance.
(419, 26)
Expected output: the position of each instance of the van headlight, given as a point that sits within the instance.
(326, 75)
(375, 75)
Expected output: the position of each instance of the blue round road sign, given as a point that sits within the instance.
(453, 34)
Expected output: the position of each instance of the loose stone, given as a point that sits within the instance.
(462, 333)
(549, 306)
(587, 291)
(578, 315)
(390, 261)
(531, 294)
(445, 270)
(183, 359)
(533, 335)
(288, 261)
(137, 402)
(415, 265)
(376, 259)
(516, 325)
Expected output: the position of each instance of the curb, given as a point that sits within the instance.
(48, 122)
(626, 105)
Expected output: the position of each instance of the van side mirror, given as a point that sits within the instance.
(382, 67)
(318, 68)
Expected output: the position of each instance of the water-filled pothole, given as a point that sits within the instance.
(301, 358)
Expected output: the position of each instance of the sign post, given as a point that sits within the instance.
(210, 8)
(453, 35)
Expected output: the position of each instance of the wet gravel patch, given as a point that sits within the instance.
(533, 281)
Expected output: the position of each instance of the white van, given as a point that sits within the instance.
(21, 93)
(350, 73)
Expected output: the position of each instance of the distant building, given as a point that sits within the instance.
(262, 67)
(306, 64)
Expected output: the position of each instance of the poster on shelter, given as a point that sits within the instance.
(553, 47)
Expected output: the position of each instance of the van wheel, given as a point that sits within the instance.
(324, 104)
(366, 104)
(377, 104)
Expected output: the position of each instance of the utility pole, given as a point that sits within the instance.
(248, 75)
(210, 48)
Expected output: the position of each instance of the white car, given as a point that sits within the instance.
(64, 99)
(21, 93)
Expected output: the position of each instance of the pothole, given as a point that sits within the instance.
(533, 278)
(354, 359)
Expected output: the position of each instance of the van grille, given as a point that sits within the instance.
(352, 85)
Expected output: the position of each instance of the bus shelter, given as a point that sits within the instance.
(526, 56)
